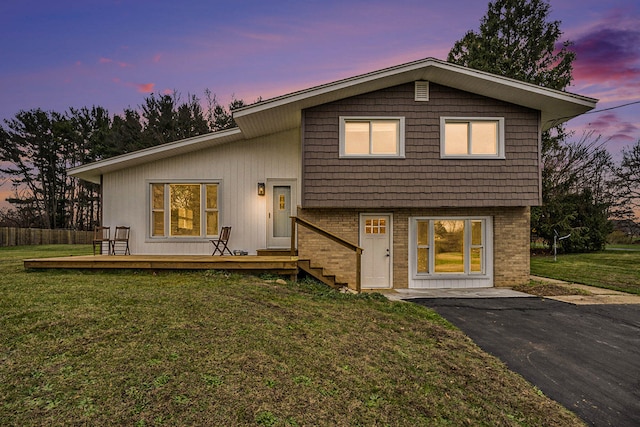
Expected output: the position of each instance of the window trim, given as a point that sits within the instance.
(486, 248)
(452, 119)
(401, 137)
(203, 237)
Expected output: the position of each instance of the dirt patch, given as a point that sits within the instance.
(544, 289)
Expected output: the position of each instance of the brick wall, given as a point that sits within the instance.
(323, 252)
(510, 241)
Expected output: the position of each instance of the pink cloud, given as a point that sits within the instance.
(608, 52)
(157, 57)
(145, 87)
(120, 64)
(139, 87)
(615, 128)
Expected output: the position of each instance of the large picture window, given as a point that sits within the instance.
(471, 137)
(371, 137)
(184, 209)
(449, 246)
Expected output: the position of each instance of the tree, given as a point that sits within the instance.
(517, 40)
(34, 149)
(90, 130)
(577, 195)
(628, 175)
(219, 117)
(166, 120)
(125, 134)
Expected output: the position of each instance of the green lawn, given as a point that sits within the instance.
(611, 269)
(211, 349)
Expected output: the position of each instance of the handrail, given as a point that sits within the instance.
(357, 249)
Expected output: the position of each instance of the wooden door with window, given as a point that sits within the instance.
(376, 242)
(280, 207)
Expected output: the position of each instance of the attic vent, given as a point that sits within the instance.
(422, 91)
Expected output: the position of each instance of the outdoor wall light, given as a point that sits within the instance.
(261, 190)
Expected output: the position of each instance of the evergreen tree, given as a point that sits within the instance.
(516, 40)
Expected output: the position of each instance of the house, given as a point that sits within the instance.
(431, 168)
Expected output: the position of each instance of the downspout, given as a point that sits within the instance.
(101, 200)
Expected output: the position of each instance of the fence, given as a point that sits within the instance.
(12, 236)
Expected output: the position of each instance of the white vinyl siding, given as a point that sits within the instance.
(468, 137)
(237, 167)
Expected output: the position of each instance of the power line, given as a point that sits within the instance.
(560, 119)
(612, 108)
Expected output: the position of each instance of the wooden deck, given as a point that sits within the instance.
(284, 265)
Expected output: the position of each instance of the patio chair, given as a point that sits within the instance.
(220, 244)
(121, 240)
(101, 236)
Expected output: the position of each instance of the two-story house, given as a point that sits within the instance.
(431, 168)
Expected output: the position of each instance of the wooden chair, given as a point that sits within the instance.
(220, 244)
(101, 235)
(121, 240)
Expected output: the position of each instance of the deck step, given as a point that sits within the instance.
(320, 273)
(275, 252)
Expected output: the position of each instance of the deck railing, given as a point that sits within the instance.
(295, 221)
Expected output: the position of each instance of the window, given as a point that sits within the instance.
(371, 137)
(477, 137)
(449, 246)
(184, 210)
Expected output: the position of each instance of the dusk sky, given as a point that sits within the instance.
(112, 53)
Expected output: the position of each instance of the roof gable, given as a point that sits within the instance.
(284, 112)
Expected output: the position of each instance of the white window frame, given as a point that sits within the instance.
(401, 138)
(486, 248)
(499, 143)
(167, 209)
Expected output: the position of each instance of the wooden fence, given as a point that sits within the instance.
(12, 236)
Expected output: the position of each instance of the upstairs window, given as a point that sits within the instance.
(472, 137)
(372, 137)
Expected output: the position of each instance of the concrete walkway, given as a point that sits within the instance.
(596, 295)
(405, 294)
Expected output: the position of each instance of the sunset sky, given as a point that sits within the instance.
(112, 53)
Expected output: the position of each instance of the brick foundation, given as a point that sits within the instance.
(510, 241)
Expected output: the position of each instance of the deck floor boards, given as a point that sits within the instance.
(275, 264)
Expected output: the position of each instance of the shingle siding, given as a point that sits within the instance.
(422, 178)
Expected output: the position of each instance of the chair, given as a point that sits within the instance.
(101, 235)
(220, 244)
(121, 240)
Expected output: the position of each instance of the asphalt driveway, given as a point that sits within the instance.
(585, 357)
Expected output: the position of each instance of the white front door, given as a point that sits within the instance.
(376, 242)
(280, 205)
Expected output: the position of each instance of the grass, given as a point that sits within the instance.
(611, 269)
(207, 348)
